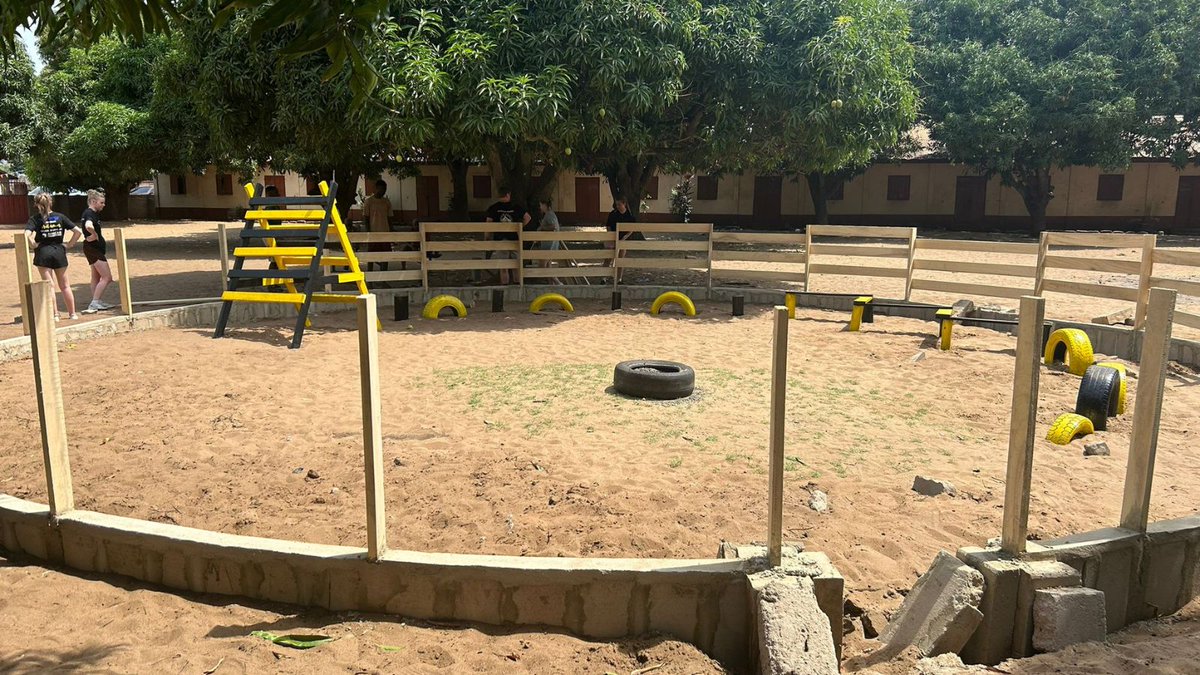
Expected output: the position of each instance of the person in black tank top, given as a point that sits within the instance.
(95, 249)
(45, 231)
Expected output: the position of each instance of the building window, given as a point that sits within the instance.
(1110, 187)
(179, 185)
(652, 188)
(279, 182)
(481, 186)
(312, 186)
(224, 184)
(836, 190)
(706, 188)
(898, 188)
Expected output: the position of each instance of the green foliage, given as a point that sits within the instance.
(88, 21)
(681, 200)
(16, 131)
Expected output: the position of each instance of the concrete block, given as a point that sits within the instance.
(941, 611)
(1035, 576)
(604, 606)
(540, 605)
(673, 610)
(1066, 616)
(1162, 577)
(794, 636)
(992, 640)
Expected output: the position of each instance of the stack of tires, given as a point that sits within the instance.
(1101, 390)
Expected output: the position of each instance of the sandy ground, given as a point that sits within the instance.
(500, 436)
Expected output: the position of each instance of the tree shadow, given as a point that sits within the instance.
(85, 659)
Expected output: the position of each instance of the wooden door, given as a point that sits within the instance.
(279, 182)
(768, 198)
(1187, 204)
(428, 199)
(587, 200)
(970, 200)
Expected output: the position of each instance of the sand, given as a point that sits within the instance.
(500, 436)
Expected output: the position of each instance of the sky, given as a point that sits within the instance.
(31, 46)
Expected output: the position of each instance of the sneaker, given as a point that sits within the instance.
(74, 317)
(101, 305)
(92, 308)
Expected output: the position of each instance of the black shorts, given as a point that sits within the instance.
(50, 256)
(94, 251)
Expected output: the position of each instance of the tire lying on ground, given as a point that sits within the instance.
(1067, 427)
(660, 380)
(1098, 393)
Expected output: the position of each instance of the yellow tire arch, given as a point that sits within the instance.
(1067, 427)
(1072, 346)
(674, 297)
(1120, 368)
(546, 298)
(435, 306)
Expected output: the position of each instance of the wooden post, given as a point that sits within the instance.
(912, 259)
(123, 271)
(778, 407)
(1147, 270)
(1021, 424)
(710, 259)
(24, 276)
(1040, 274)
(424, 262)
(1143, 443)
(223, 240)
(808, 256)
(372, 412)
(40, 297)
(521, 256)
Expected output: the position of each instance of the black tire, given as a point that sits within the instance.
(660, 380)
(1098, 395)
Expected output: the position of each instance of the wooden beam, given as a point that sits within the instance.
(778, 408)
(1144, 275)
(912, 258)
(123, 271)
(808, 257)
(24, 276)
(223, 250)
(51, 410)
(1147, 409)
(372, 413)
(1039, 276)
(1022, 424)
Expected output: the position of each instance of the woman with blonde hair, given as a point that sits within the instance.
(45, 231)
(95, 250)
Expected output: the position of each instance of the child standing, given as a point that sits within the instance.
(45, 230)
(377, 211)
(95, 250)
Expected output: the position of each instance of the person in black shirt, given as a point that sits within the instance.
(619, 214)
(45, 231)
(506, 211)
(95, 250)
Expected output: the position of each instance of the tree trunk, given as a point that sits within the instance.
(629, 179)
(818, 186)
(513, 165)
(116, 201)
(347, 192)
(1036, 191)
(459, 207)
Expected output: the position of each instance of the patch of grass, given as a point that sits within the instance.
(675, 462)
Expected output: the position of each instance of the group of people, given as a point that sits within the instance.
(46, 231)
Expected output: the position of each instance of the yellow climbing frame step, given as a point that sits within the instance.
(287, 214)
(274, 251)
(326, 261)
(285, 298)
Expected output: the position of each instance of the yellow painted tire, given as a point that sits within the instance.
(435, 306)
(1120, 368)
(674, 297)
(546, 298)
(1072, 346)
(1067, 427)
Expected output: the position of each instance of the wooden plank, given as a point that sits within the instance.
(497, 264)
(390, 256)
(424, 243)
(759, 256)
(1185, 287)
(570, 235)
(662, 263)
(808, 256)
(1039, 278)
(223, 252)
(24, 276)
(573, 254)
(779, 349)
(778, 238)
(1147, 410)
(1022, 424)
(1067, 262)
(858, 270)
(286, 214)
(664, 245)
(39, 295)
(122, 271)
(676, 228)
(263, 296)
(560, 272)
(394, 275)
(980, 246)
(274, 251)
(758, 275)
(1090, 290)
(861, 250)
(384, 237)
(491, 245)
(865, 231)
(912, 258)
(1187, 319)
(968, 289)
(179, 301)
(1167, 256)
(468, 228)
(968, 267)
(372, 416)
(1094, 239)
(1149, 241)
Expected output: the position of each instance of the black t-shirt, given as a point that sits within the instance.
(616, 216)
(90, 214)
(50, 229)
(506, 212)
